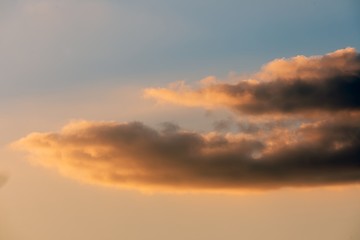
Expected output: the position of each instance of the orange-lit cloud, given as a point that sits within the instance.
(134, 155)
(296, 85)
(277, 143)
(343, 62)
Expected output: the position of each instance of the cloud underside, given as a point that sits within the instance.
(134, 155)
(281, 146)
(328, 83)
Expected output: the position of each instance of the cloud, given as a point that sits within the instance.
(223, 125)
(276, 144)
(3, 179)
(137, 156)
(328, 83)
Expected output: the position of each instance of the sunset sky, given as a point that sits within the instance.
(179, 120)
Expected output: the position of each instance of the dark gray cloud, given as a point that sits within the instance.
(282, 96)
(134, 155)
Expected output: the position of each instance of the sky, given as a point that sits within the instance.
(179, 119)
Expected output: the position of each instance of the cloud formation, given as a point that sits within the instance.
(277, 144)
(135, 155)
(300, 84)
